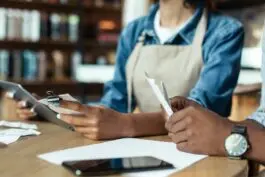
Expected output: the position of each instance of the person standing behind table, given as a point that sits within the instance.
(194, 50)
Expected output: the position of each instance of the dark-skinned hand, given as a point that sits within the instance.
(178, 103)
(97, 122)
(197, 130)
(23, 111)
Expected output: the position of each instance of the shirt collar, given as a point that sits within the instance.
(187, 33)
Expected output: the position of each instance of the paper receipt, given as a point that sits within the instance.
(60, 110)
(160, 96)
(21, 125)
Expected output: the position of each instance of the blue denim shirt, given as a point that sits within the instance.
(222, 48)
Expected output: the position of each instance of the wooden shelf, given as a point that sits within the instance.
(246, 89)
(237, 4)
(106, 10)
(49, 45)
(95, 45)
(66, 8)
(45, 45)
(39, 6)
(63, 86)
(93, 14)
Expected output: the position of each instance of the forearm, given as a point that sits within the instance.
(147, 124)
(256, 137)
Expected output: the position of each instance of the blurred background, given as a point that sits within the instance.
(69, 46)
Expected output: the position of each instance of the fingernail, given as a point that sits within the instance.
(10, 94)
(24, 103)
(58, 116)
(32, 110)
(34, 114)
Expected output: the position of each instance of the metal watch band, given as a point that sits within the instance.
(239, 129)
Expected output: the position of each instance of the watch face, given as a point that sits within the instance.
(236, 145)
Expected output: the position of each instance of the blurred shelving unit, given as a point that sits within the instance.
(49, 45)
(63, 86)
(90, 17)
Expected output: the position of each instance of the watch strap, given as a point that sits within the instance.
(239, 129)
(242, 130)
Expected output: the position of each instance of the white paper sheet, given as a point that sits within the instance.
(9, 139)
(128, 147)
(61, 110)
(68, 97)
(156, 173)
(163, 101)
(11, 135)
(18, 132)
(22, 125)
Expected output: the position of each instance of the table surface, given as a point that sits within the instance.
(20, 158)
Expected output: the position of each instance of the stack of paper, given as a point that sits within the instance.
(15, 131)
(128, 147)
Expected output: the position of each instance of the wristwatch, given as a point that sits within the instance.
(236, 144)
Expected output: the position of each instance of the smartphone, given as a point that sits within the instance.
(115, 166)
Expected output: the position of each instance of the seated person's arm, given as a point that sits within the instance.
(257, 136)
(220, 72)
(200, 131)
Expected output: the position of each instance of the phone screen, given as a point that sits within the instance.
(114, 166)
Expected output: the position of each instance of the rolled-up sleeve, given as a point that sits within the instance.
(219, 75)
(115, 91)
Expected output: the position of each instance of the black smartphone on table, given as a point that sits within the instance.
(102, 167)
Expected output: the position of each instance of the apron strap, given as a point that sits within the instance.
(198, 40)
(131, 68)
(201, 29)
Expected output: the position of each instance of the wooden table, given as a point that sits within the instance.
(246, 100)
(20, 159)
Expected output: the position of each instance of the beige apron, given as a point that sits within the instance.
(177, 66)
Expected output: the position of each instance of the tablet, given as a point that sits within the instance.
(115, 166)
(17, 92)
